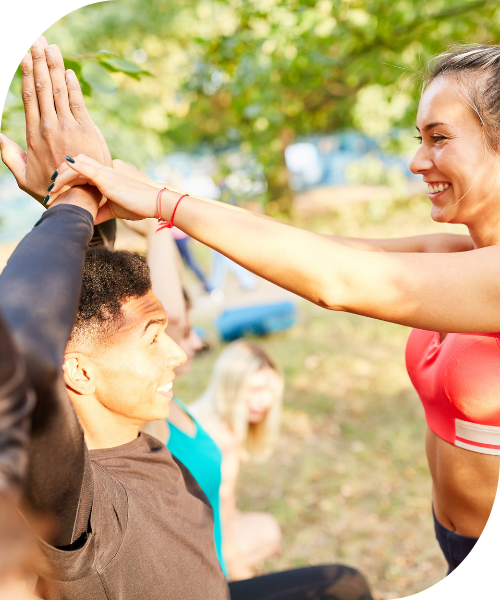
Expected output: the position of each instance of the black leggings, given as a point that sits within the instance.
(327, 582)
(455, 547)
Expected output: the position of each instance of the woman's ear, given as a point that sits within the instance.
(76, 376)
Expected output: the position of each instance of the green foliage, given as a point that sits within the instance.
(260, 73)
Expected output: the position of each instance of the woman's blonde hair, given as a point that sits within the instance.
(224, 397)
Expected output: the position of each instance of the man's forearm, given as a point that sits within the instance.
(39, 295)
(16, 404)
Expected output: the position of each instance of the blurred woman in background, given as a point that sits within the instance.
(241, 410)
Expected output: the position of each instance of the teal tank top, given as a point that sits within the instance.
(202, 457)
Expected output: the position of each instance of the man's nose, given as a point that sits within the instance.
(174, 354)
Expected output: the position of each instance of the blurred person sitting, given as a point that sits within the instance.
(221, 264)
(183, 242)
(241, 410)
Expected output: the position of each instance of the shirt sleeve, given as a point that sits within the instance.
(39, 295)
(16, 404)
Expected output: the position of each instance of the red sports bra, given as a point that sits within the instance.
(458, 382)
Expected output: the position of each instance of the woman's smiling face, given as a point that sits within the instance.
(454, 158)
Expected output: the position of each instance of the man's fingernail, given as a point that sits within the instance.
(69, 159)
(55, 175)
(46, 199)
(49, 51)
(35, 43)
(51, 187)
(70, 74)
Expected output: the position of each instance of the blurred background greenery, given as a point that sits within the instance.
(257, 74)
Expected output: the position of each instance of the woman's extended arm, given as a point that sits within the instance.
(441, 292)
(432, 242)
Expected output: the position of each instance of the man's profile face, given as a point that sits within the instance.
(133, 368)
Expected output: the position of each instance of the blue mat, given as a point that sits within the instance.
(255, 320)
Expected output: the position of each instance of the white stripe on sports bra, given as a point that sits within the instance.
(484, 439)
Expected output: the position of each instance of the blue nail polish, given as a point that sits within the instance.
(69, 159)
(51, 187)
(46, 199)
(55, 175)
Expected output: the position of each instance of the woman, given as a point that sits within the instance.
(436, 283)
(241, 411)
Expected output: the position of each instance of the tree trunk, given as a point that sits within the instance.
(278, 178)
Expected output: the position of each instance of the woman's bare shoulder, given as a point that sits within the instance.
(220, 431)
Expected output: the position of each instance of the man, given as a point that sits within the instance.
(128, 521)
(132, 520)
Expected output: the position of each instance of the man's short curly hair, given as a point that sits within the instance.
(110, 278)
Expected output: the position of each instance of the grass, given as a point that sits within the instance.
(349, 480)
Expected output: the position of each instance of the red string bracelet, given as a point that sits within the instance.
(162, 224)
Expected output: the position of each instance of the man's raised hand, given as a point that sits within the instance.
(57, 121)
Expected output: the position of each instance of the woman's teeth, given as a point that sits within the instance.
(440, 187)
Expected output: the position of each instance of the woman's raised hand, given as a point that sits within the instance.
(126, 198)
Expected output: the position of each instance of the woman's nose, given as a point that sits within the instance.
(263, 401)
(420, 163)
(197, 342)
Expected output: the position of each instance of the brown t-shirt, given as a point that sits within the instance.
(151, 533)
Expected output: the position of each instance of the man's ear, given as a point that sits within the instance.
(76, 376)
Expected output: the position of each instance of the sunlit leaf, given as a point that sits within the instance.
(107, 53)
(120, 64)
(97, 77)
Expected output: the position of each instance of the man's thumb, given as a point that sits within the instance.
(13, 156)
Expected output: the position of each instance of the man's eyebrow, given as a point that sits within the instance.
(154, 322)
(431, 125)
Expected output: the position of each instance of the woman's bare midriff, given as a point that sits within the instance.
(464, 485)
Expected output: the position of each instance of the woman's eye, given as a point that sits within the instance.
(419, 138)
(154, 340)
(438, 138)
